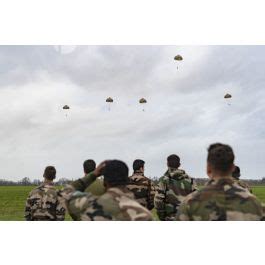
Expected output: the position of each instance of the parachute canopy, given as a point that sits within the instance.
(178, 58)
(109, 99)
(142, 100)
(228, 96)
(66, 107)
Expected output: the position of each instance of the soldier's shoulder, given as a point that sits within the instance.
(138, 178)
(120, 204)
(36, 190)
(163, 179)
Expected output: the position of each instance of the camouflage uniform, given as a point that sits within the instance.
(263, 207)
(43, 205)
(244, 185)
(143, 189)
(172, 189)
(221, 199)
(116, 203)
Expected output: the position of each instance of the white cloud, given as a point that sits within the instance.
(185, 112)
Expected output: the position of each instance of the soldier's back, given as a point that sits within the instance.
(222, 200)
(172, 189)
(143, 190)
(120, 204)
(42, 204)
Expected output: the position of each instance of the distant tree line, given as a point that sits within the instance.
(28, 182)
(251, 182)
(63, 181)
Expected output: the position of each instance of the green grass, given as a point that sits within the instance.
(12, 200)
(259, 191)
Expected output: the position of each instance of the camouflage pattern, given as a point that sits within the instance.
(244, 185)
(43, 205)
(172, 189)
(221, 199)
(263, 208)
(143, 189)
(115, 204)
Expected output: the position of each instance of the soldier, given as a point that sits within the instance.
(236, 175)
(172, 188)
(42, 203)
(117, 203)
(222, 198)
(141, 186)
(89, 166)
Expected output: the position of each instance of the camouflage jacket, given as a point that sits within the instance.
(244, 185)
(115, 204)
(43, 204)
(222, 199)
(172, 189)
(143, 189)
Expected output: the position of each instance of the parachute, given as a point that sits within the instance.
(142, 101)
(109, 100)
(178, 58)
(228, 96)
(66, 107)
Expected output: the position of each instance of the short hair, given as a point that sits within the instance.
(116, 173)
(221, 157)
(137, 164)
(49, 173)
(236, 173)
(173, 161)
(89, 166)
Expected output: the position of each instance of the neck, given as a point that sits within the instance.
(47, 181)
(172, 168)
(217, 176)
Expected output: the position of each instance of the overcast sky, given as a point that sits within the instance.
(186, 109)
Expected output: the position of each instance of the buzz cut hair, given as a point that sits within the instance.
(49, 173)
(173, 161)
(221, 157)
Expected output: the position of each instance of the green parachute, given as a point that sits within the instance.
(142, 101)
(178, 58)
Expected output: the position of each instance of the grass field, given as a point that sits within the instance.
(12, 200)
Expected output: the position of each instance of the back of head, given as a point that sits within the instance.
(49, 173)
(138, 164)
(116, 173)
(236, 173)
(89, 166)
(173, 161)
(221, 158)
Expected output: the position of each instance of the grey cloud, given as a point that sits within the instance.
(185, 112)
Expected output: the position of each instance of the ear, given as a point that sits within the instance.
(233, 168)
(209, 170)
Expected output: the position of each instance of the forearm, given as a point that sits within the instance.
(82, 183)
